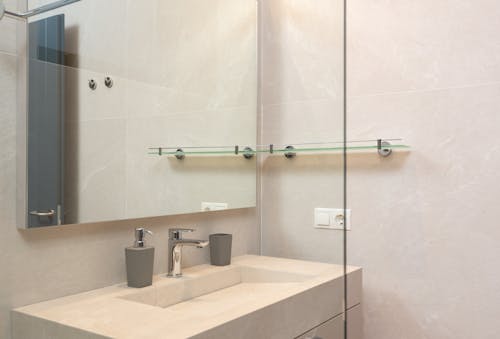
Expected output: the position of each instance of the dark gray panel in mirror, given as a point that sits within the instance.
(45, 122)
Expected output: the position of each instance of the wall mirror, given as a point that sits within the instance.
(107, 89)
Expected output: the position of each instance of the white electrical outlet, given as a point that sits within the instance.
(213, 206)
(332, 218)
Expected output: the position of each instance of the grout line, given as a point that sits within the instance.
(436, 89)
(302, 102)
(429, 90)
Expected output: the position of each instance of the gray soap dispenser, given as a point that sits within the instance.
(139, 260)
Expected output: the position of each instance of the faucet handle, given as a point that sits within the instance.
(176, 233)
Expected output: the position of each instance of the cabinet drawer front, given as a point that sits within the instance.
(334, 328)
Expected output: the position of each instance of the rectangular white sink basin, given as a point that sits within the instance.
(243, 281)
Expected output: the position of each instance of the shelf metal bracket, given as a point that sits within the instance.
(179, 154)
(383, 149)
(290, 155)
(248, 153)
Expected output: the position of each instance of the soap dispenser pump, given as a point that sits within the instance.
(139, 260)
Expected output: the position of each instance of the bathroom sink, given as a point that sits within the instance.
(255, 297)
(233, 282)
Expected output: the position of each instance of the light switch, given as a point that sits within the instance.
(321, 218)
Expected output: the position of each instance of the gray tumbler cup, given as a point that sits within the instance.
(220, 249)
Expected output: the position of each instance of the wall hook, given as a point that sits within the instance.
(108, 82)
(92, 84)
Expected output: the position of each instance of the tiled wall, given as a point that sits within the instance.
(425, 222)
(42, 264)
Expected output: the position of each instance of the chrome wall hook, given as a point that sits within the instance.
(92, 84)
(108, 82)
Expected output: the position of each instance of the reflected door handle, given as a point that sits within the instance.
(49, 213)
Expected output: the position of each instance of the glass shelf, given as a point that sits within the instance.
(383, 146)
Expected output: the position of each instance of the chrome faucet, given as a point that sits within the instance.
(175, 244)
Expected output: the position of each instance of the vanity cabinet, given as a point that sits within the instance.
(334, 328)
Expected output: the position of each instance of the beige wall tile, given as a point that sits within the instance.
(406, 45)
(301, 50)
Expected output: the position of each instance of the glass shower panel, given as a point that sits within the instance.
(302, 198)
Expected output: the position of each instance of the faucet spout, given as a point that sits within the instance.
(192, 242)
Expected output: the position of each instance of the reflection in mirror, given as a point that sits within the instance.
(45, 123)
(106, 80)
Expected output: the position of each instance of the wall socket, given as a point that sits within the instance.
(332, 218)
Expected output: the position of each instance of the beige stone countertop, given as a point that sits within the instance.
(107, 311)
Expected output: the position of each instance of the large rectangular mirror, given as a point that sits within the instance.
(109, 89)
